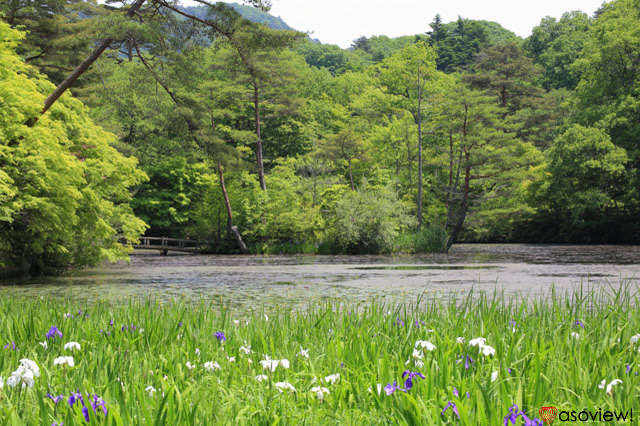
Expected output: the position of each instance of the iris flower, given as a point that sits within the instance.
(609, 387)
(453, 407)
(408, 383)
(99, 402)
(487, 350)
(220, 336)
(261, 377)
(55, 399)
(211, 365)
(390, 389)
(320, 392)
(64, 360)
(514, 414)
(53, 333)
(332, 378)
(72, 346)
(304, 353)
(424, 344)
(282, 386)
(478, 341)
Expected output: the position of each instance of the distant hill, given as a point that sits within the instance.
(250, 13)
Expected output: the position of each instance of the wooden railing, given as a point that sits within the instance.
(165, 244)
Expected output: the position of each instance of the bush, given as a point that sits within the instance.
(368, 222)
(431, 239)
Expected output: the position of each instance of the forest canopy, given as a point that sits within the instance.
(220, 123)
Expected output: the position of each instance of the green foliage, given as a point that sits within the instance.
(457, 43)
(368, 221)
(164, 202)
(331, 57)
(556, 45)
(430, 239)
(58, 33)
(283, 214)
(64, 190)
(608, 93)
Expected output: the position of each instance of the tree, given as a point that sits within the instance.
(608, 94)
(59, 33)
(260, 64)
(410, 76)
(485, 159)
(556, 45)
(64, 191)
(346, 145)
(503, 71)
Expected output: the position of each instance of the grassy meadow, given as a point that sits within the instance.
(201, 364)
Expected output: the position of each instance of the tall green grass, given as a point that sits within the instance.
(540, 364)
(431, 239)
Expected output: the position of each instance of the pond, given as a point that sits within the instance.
(256, 281)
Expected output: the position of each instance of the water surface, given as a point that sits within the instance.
(255, 281)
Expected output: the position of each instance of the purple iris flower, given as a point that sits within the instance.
(467, 361)
(53, 332)
(512, 323)
(455, 392)
(408, 383)
(75, 396)
(111, 322)
(468, 395)
(11, 346)
(55, 399)
(180, 324)
(453, 407)
(578, 323)
(514, 414)
(509, 370)
(220, 336)
(85, 413)
(399, 322)
(628, 368)
(390, 389)
(57, 424)
(99, 402)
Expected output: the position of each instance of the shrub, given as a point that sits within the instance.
(368, 221)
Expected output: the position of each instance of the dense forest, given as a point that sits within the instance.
(219, 123)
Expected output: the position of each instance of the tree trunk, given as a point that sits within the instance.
(353, 187)
(463, 208)
(419, 151)
(256, 107)
(465, 193)
(233, 230)
(80, 69)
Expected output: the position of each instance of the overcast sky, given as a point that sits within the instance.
(342, 21)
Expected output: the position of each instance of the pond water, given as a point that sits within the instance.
(257, 281)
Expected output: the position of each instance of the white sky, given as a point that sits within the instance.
(342, 21)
